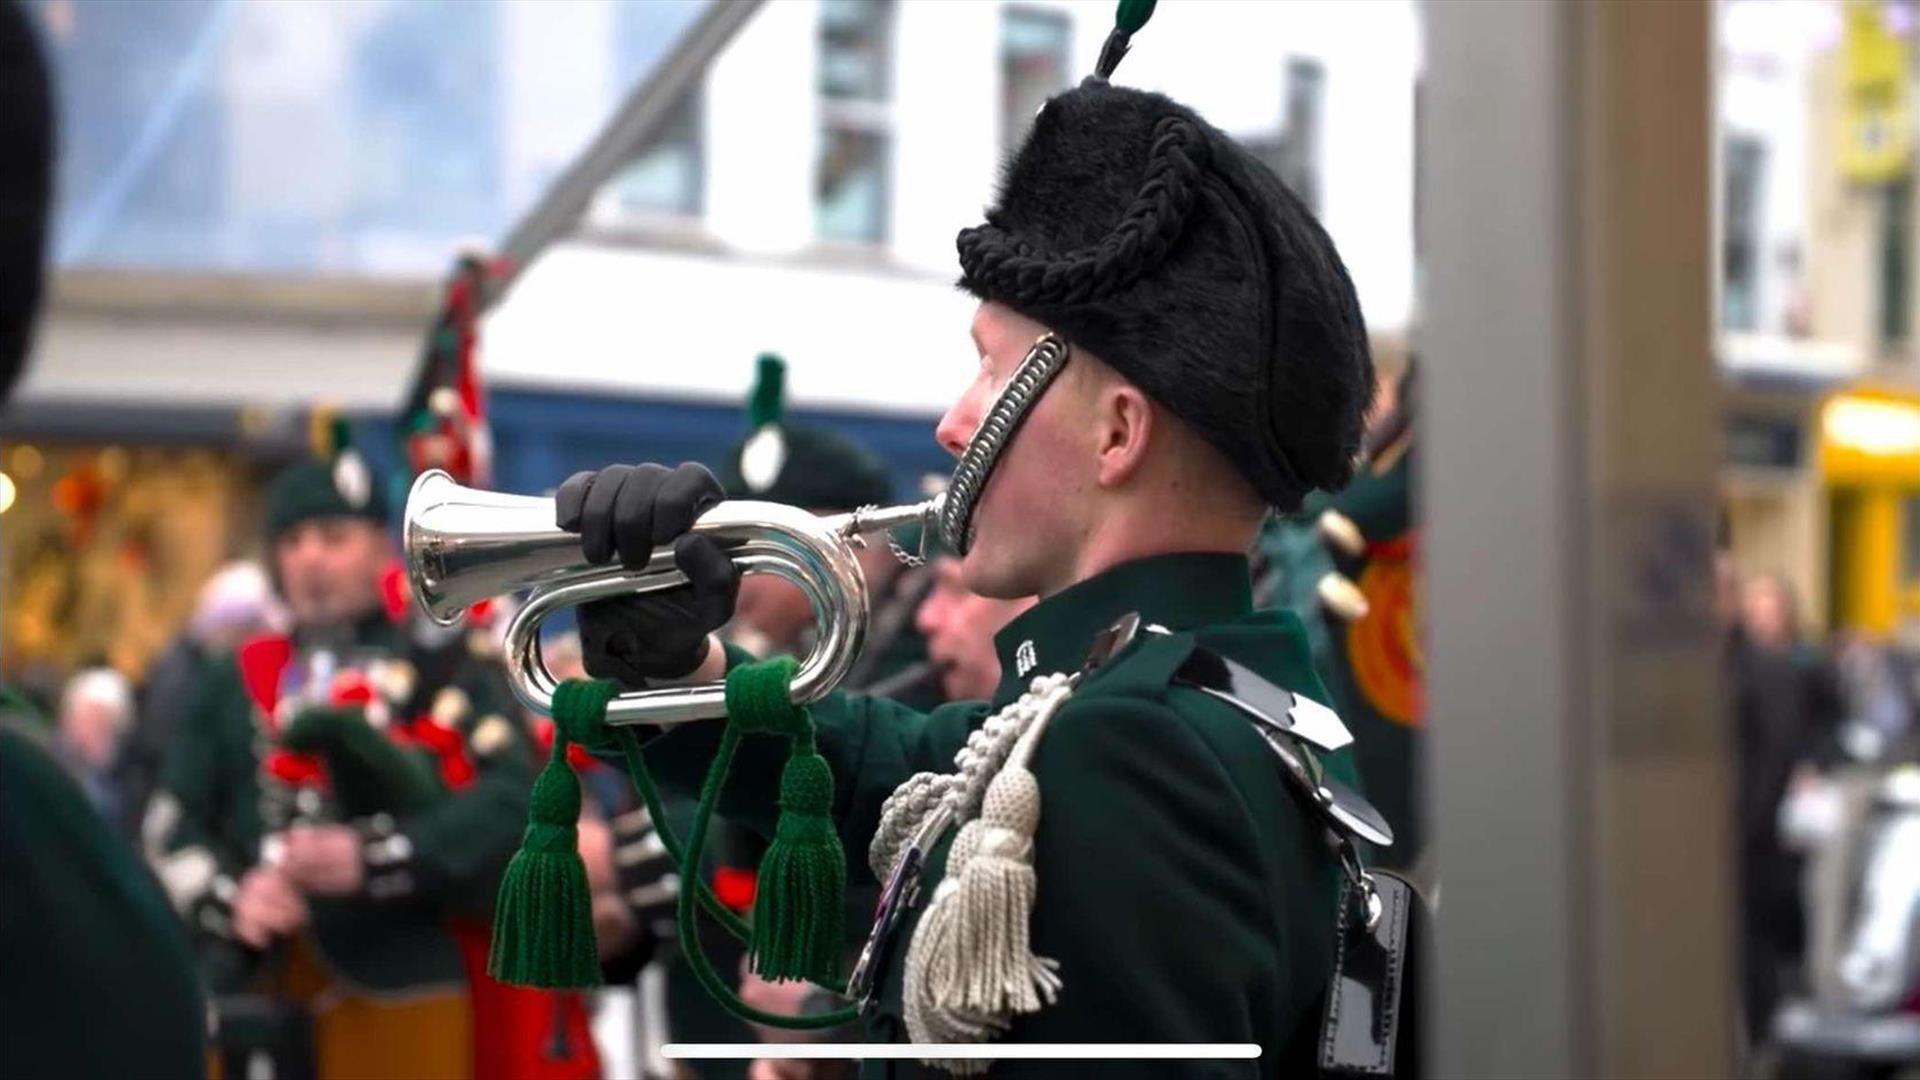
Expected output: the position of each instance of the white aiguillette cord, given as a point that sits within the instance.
(913, 803)
(971, 968)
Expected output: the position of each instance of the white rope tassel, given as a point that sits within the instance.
(971, 968)
(994, 969)
(931, 959)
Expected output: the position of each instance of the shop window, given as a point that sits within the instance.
(1034, 49)
(852, 189)
(1746, 163)
(1762, 442)
(852, 174)
(1896, 242)
(666, 175)
(300, 139)
(106, 550)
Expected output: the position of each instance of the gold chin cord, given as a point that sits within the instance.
(464, 545)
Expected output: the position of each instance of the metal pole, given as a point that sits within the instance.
(1570, 427)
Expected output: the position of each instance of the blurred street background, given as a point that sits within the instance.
(258, 203)
(263, 207)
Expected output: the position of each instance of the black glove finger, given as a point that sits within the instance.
(596, 513)
(714, 579)
(568, 499)
(633, 515)
(685, 494)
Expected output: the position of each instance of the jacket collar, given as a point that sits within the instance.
(1179, 592)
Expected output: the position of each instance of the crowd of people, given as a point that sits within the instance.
(298, 889)
(139, 755)
(324, 838)
(113, 734)
(1818, 731)
(336, 888)
(300, 856)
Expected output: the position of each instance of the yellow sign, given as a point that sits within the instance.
(1875, 127)
(1871, 436)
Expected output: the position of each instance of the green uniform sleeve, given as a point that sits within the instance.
(456, 850)
(195, 833)
(98, 978)
(1152, 894)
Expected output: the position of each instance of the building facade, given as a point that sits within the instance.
(806, 195)
(1817, 294)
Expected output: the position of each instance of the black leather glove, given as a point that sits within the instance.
(626, 511)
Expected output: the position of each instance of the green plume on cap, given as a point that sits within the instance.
(1133, 15)
(769, 387)
(1128, 18)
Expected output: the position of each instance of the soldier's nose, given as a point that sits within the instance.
(956, 427)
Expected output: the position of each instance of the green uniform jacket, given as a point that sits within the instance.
(1182, 889)
(205, 827)
(96, 977)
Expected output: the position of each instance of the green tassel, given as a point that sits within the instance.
(543, 919)
(799, 907)
(543, 927)
(684, 915)
(1133, 15)
(769, 387)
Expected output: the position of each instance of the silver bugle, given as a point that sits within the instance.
(464, 545)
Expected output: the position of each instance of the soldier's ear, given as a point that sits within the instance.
(1124, 421)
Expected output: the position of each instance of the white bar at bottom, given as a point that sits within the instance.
(994, 1051)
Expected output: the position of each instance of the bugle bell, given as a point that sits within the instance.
(464, 545)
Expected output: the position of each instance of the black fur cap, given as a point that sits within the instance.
(1138, 231)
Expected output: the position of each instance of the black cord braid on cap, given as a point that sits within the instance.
(1007, 266)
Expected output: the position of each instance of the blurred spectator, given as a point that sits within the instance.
(1768, 613)
(959, 626)
(234, 605)
(95, 711)
(1876, 684)
(1786, 706)
(821, 471)
(334, 814)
